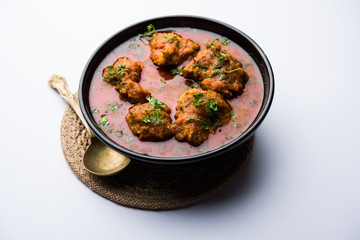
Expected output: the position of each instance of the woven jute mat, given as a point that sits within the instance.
(151, 186)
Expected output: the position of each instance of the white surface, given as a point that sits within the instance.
(303, 178)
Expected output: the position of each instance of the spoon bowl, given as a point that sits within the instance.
(99, 159)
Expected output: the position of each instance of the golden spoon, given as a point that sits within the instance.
(98, 159)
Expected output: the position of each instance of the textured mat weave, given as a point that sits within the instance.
(149, 186)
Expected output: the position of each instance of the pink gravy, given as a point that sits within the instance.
(245, 107)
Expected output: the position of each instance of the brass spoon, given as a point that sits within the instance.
(98, 159)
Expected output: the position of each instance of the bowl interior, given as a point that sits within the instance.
(226, 30)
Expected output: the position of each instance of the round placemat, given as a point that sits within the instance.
(151, 186)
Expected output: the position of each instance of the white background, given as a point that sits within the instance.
(302, 181)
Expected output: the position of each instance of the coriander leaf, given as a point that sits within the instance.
(205, 123)
(156, 116)
(172, 36)
(103, 121)
(197, 64)
(115, 107)
(195, 85)
(163, 80)
(186, 104)
(213, 105)
(202, 150)
(132, 46)
(150, 31)
(198, 99)
(146, 118)
(233, 115)
(223, 58)
(223, 77)
(191, 120)
(113, 72)
(176, 71)
(217, 66)
(110, 68)
(150, 28)
(111, 128)
(153, 116)
(252, 103)
(94, 111)
(156, 104)
(216, 74)
(234, 124)
(225, 41)
(212, 108)
(112, 106)
(119, 133)
(233, 70)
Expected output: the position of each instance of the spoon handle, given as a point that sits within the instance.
(59, 83)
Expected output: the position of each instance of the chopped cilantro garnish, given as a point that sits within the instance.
(121, 67)
(153, 116)
(202, 150)
(146, 118)
(225, 41)
(103, 121)
(156, 104)
(186, 104)
(217, 66)
(119, 133)
(233, 115)
(252, 103)
(115, 106)
(163, 80)
(150, 31)
(223, 58)
(119, 71)
(223, 77)
(197, 64)
(216, 74)
(111, 128)
(233, 124)
(112, 106)
(172, 36)
(176, 71)
(191, 120)
(94, 111)
(233, 70)
(212, 108)
(206, 123)
(132, 46)
(195, 85)
(198, 99)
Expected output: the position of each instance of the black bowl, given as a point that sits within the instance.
(223, 29)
